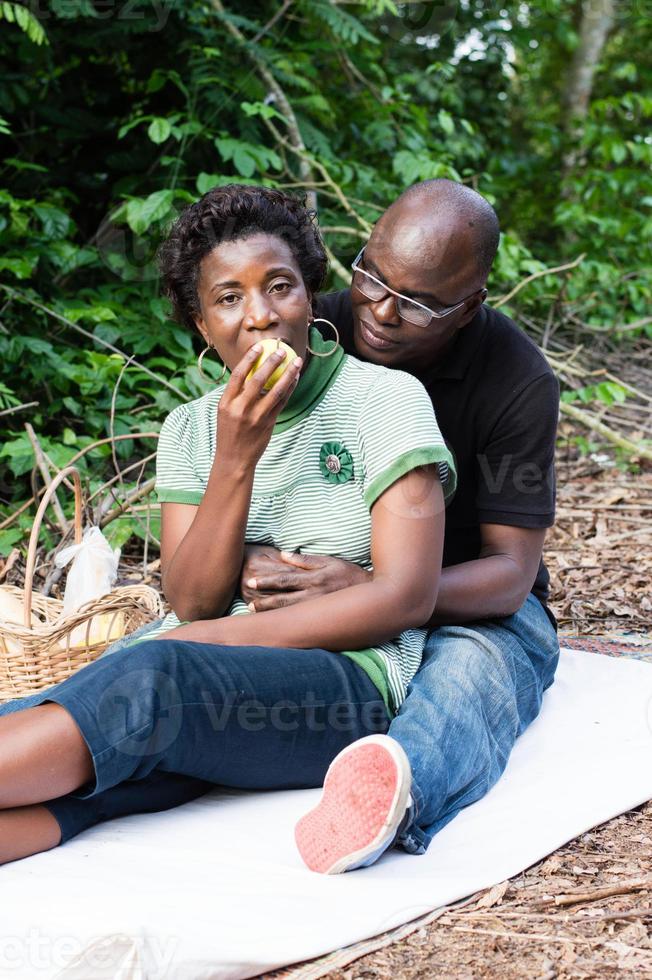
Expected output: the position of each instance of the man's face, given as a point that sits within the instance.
(433, 265)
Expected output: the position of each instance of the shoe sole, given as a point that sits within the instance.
(365, 796)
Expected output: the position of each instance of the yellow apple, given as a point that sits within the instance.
(269, 346)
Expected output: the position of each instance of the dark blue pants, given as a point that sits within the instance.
(166, 720)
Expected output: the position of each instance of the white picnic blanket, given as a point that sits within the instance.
(216, 889)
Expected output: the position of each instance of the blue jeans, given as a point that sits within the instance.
(166, 720)
(31, 700)
(478, 688)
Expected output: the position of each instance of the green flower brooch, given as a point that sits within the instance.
(336, 462)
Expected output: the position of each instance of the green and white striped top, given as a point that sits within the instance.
(349, 431)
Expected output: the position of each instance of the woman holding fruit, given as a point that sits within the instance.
(327, 456)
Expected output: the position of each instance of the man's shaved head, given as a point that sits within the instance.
(441, 220)
(435, 244)
(445, 198)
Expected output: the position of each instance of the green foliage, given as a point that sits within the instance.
(112, 121)
(607, 392)
(247, 158)
(343, 25)
(16, 13)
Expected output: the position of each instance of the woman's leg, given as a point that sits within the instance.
(30, 771)
(25, 831)
(42, 755)
(29, 830)
(251, 717)
(20, 704)
(30, 700)
(158, 792)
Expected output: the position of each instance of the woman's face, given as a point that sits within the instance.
(250, 290)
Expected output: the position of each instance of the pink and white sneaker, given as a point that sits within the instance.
(365, 798)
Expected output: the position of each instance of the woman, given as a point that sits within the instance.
(337, 457)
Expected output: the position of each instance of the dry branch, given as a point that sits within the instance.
(573, 898)
(114, 455)
(340, 230)
(551, 937)
(501, 300)
(330, 182)
(44, 470)
(590, 422)
(273, 20)
(142, 491)
(337, 267)
(115, 479)
(18, 408)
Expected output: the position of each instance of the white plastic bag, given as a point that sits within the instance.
(92, 574)
(93, 571)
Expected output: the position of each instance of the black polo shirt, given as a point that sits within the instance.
(497, 402)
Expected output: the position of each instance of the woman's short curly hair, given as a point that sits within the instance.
(226, 214)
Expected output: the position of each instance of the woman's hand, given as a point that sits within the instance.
(247, 413)
(215, 529)
(273, 579)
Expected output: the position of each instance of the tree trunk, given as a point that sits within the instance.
(597, 20)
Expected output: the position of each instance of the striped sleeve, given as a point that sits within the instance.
(177, 480)
(398, 433)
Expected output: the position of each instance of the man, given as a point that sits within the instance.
(416, 304)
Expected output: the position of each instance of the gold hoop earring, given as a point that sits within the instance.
(320, 319)
(202, 374)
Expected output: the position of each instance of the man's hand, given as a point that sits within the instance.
(272, 579)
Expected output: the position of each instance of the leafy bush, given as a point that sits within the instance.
(112, 120)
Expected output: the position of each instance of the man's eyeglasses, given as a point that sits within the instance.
(408, 309)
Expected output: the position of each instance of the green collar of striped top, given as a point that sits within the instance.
(315, 381)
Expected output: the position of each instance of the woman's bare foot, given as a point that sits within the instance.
(27, 830)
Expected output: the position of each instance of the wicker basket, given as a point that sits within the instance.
(48, 647)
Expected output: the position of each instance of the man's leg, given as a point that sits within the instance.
(477, 690)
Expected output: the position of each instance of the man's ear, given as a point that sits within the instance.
(473, 304)
(475, 301)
